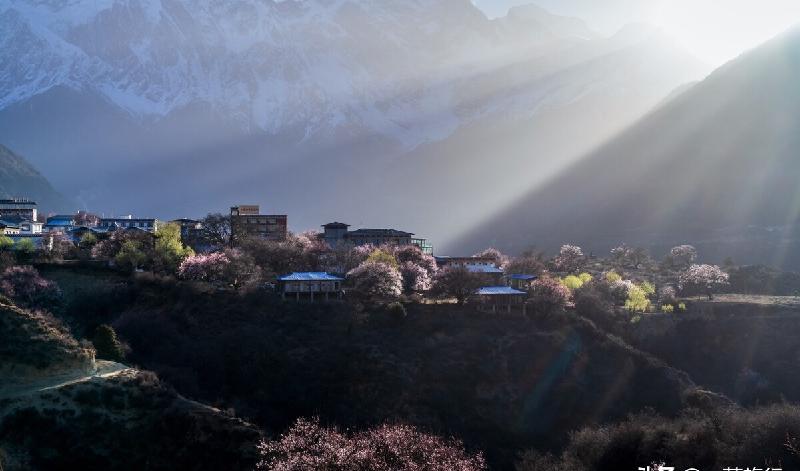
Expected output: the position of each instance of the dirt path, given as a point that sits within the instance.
(103, 369)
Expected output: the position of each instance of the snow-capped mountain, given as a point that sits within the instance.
(239, 96)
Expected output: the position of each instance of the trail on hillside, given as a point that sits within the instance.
(103, 370)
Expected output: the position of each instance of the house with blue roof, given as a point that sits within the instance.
(311, 286)
(60, 223)
(494, 298)
(520, 281)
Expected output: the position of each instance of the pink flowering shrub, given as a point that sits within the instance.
(413, 254)
(309, 446)
(548, 295)
(570, 258)
(707, 278)
(376, 280)
(24, 285)
(204, 267)
(415, 278)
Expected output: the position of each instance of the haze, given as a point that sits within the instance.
(714, 31)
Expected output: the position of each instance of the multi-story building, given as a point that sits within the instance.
(336, 233)
(247, 221)
(128, 222)
(190, 228)
(21, 208)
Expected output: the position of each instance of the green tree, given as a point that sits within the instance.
(381, 256)
(168, 250)
(637, 300)
(130, 256)
(87, 241)
(107, 344)
(25, 246)
(572, 282)
(6, 243)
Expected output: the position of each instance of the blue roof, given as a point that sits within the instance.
(310, 276)
(522, 277)
(475, 268)
(499, 290)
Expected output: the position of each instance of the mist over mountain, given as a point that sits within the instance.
(716, 166)
(19, 179)
(315, 108)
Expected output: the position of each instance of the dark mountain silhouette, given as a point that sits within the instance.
(18, 179)
(716, 166)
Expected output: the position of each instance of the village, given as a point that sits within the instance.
(246, 248)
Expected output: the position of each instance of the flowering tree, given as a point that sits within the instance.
(525, 265)
(413, 254)
(548, 295)
(457, 282)
(704, 277)
(415, 278)
(494, 254)
(204, 267)
(682, 256)
(309, 446)
(376, 280)
(24, 285)
(570, 258)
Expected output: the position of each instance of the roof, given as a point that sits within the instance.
(379, 233)
(474, 268)
(310, 276)
(336, 225)
(10, 224)
(499, 291)
(113, 220)
(522, 277)
(16, 201)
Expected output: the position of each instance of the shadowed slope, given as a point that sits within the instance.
(716, 166)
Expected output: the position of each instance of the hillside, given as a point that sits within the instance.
(501, 385)
(716, 166)
(54, 401)
(19, 179)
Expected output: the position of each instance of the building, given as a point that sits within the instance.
(18, 208)
(128, 222)
(190, 228)
(310, 285)
(494, 298)
(335, 233)
(60, 223)
(23, 225)
(247, 220)
(520, 281)
(8, 228)
(465, 261)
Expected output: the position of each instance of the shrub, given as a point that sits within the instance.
(572, 282)
(457, 282)
(613, 277)
(24, 285)
(106, 344)
(682, 306)
(667, 308)
(396, 311)
(376, 280)
(585, 277)
(309, 446)
(707, 278)
(637, 300)
(548, 295)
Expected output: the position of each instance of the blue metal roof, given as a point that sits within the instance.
(310, 276)
(499, 290)
(476, 268)
(522, 277)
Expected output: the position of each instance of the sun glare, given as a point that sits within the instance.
(718, 31)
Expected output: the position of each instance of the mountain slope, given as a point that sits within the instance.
(19, 179)
(304, 107)
(715, 166)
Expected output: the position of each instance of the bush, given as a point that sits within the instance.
(25, 286)
(548, 295)
(106, 344)
(309, 446)
(637, 300)
(396, 311)
(667, 308)
(572, 282)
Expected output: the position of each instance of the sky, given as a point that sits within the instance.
(715, 31)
